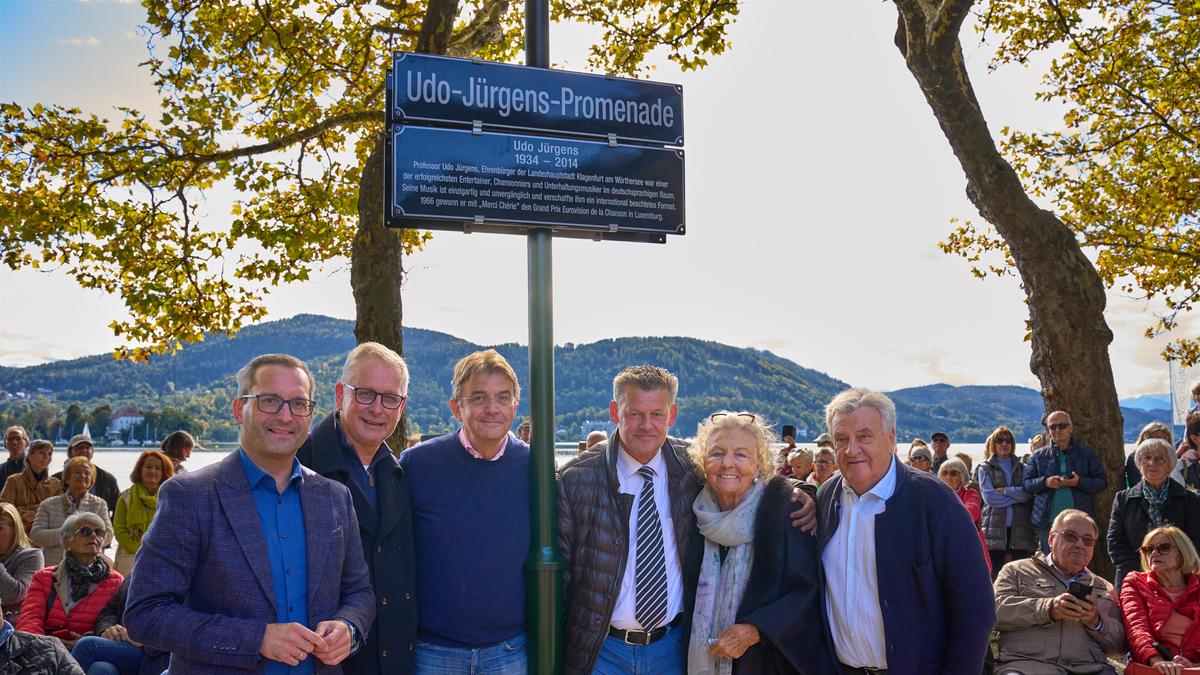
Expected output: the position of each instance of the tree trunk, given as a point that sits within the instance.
(376, 270)
(1063, 290)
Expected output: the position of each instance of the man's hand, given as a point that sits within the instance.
(1000, 490)
(735, 641)
(1067, 607)
(1089, 613)
(1054, 482)
(804, 517)
(1070, 481)
(338, 641)
(290, 643)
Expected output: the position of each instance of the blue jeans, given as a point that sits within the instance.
(101, 656)
(667, 656)
(502, 658)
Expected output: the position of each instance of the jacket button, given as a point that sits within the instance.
(383, 653)
(379, 549)
(383, 600)
(407, 596)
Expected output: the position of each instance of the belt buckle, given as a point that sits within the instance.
(645, 637)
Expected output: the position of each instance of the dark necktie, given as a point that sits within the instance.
(651, 587)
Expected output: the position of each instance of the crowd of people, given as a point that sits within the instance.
(315, 548)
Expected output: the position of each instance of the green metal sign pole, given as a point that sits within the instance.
(544, 568)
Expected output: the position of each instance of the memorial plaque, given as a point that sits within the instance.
(458, 179)
(440, 89)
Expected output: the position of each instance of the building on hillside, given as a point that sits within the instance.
(124, 418)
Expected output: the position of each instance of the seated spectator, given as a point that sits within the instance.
(110, 651)
(758, 602)
(824, 466)
(53, 512)
(178, 445)
(1188, 452)
(1007, 512)
(19, 559)
(104, 485)
(25, 654)
(28, 489)
(595, 437)
(1153, 502)
(136, 506)
(1044, 629)
(1162, 603)
(801, 462)
(954, 473)
(920, 458)
(85, 577)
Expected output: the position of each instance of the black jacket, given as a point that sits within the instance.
(1131, 521)
(593, 536)
(28, 654)
(105, 487)
(113, 614)
(387, 539)
(784, 597)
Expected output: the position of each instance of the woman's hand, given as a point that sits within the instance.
(1165, 667)
(735, 641)
(119, 634)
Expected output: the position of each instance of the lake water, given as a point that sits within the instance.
(119, 461)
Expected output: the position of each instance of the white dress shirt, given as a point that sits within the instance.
(852, 584)
(631, 484)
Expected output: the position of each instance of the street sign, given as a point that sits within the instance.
(458, 179)
(439, 89)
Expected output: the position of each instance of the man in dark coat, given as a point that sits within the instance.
(370, 398)
(1062, 475)
(105, 486)
(906, 591)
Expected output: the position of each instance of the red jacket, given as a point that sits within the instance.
(1146, 606)
(82, 617)
(970, 499)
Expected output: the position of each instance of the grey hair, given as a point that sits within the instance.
(78, 520)
(850, 400)
(1156, 427)
(1149, 444)
(646, 378)
(380, 353)
(800, 453)
(1067, 514)
(955, 465)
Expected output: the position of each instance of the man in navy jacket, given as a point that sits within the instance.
(1062, 475)
(906, 592)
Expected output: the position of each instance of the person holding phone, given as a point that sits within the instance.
(1054, 615)
(1063, 475)
(1162, 603)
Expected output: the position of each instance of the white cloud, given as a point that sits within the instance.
(89, 41)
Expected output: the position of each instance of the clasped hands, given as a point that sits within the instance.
(291, 643)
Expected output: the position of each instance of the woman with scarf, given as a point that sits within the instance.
(136, 506)
(65, 601)
(758, 600)
(1154, 501)
(18, 561)
(28, 489)
(78, 477)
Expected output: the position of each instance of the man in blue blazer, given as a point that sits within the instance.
(907, 589)
(254, 564)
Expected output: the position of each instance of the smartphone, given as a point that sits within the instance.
(1080, 590)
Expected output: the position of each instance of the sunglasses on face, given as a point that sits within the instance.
(1057, 427)
(1162, 549)
(89, 531)
(1004, 441)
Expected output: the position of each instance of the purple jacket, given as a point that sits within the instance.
(203, 588)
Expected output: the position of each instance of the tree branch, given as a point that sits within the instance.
(485, 27)
(357, 117)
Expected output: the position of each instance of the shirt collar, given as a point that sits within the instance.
(466, 443)
(628, 466)
(348, 447)
(1085, 572)
(255, 475)
(882, 490)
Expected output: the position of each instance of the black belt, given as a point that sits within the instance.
(643, 637)
(851, 670)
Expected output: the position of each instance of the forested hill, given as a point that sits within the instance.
(198, 383)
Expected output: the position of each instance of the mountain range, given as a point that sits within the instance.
(200, 381)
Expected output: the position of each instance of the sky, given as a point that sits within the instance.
(818, 187)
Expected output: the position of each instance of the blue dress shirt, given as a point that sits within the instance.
(282, 520)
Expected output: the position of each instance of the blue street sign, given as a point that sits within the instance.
(458, 179)
(440, 89)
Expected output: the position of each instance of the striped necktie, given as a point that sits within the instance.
(651, 588)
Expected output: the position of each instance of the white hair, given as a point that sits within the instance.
(850, 400)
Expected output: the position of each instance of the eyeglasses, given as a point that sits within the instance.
(746, 416)
(1161, 549)
(1072, 538)
(368, 396)
(1058, 427)
(90, 531)
(272, 404)
(1004, 441)
(482, 400)
(919, 459)
(823, 462)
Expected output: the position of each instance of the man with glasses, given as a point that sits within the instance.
(1053, 614)
(16, 441)
(350, 447)
(254, 563)
(470, 506)
(940, 443)
(1062, 475)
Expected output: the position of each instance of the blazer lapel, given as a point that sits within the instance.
(242, 515)
(317, 504)
(392, 498)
